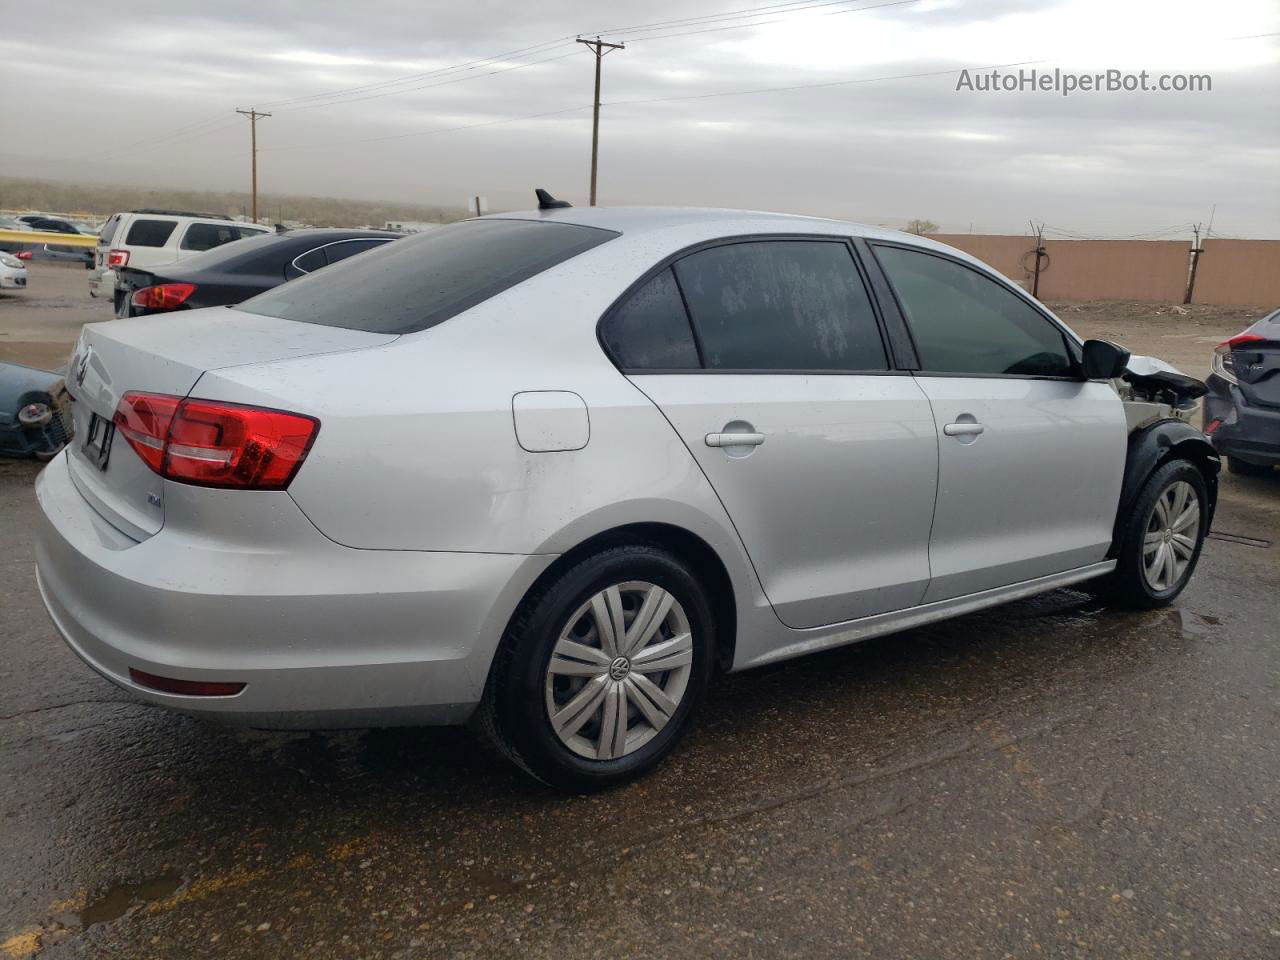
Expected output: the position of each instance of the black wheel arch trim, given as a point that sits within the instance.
(1152, 447)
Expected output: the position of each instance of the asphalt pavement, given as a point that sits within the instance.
(1047, 779)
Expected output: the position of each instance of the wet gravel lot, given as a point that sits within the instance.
(1051, 778)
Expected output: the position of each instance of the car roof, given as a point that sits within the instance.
(689, 224)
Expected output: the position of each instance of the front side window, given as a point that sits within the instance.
(423, 280)
(966, 323)
(781, 305)
(150, 233)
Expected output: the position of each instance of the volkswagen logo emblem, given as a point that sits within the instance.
(619, 669)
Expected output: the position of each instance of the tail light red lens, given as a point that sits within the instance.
(166, 296)
(1241, 340)
(212, 444)
(24, 255)
(118, 258)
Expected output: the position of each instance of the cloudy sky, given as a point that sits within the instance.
(846, 108)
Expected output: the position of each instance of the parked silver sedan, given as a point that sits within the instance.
(552, 471)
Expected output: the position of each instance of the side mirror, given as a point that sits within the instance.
(1103, 360)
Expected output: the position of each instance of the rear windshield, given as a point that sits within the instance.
(109, 228)
(423, 280)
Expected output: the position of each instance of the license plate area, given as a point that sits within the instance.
(97, 441)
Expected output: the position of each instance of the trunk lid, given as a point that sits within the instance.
(166, 353)
(1257, 368)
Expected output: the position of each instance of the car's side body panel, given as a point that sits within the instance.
(1035, 493)
(835, 504)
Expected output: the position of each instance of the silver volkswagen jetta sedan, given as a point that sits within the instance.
(551, 471)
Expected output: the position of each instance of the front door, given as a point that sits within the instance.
(777, 380)
(1031, 456)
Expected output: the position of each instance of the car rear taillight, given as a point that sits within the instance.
(166, 296)
(118, 258)
(213, 444)
(24, 255)
(186, 688)
(1222, 363)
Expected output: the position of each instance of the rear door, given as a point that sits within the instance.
(766, 356)
(1031, 456)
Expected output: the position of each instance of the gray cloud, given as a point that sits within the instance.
(166, 81)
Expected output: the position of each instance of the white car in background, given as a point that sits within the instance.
(13, 272)
(155, 238)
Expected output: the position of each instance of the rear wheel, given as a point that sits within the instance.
(1245, 468)
(601, 670)
(1162, 537)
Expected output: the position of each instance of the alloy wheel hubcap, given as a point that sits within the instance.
(1171, 536)
(619, 670)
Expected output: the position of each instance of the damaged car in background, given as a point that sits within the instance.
(1242, 410)
(34, 416)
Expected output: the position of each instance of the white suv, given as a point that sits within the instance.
(153, 238)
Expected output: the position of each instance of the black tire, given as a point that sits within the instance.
(1129, 585)
(514, 712)
(1243, 468)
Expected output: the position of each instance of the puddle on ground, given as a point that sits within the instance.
(119, 899)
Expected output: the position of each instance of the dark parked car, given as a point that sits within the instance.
(238, 270)
(1242, 408)
(35, 417)
(51, 225)
(56, 252)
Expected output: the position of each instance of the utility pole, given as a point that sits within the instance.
(1041, 253)
(1196, 250)
(253, 116)
(601, 50)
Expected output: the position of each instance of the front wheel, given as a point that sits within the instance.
(1162, 537)
(602, 669)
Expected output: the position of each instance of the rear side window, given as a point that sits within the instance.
(150, 233)
(650, 331)
(781, 305)
(206, 236)
(311, 261)
(109, 228)
(349, 248)
(423, 280)
(964, 322)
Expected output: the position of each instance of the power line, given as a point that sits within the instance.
(764, 23)
(431, 86)
(342, 95)
(427, 133)
(813, 86)
(797, 6)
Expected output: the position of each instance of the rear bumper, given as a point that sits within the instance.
(102, 283)
(1251, 433)
(321, 635)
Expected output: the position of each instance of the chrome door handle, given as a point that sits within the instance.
(734, 439)
(963, 429)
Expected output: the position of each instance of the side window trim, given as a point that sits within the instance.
(1071, 346)
(671, 260)
(902, 347)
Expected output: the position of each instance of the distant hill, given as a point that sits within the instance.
(104, 199)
